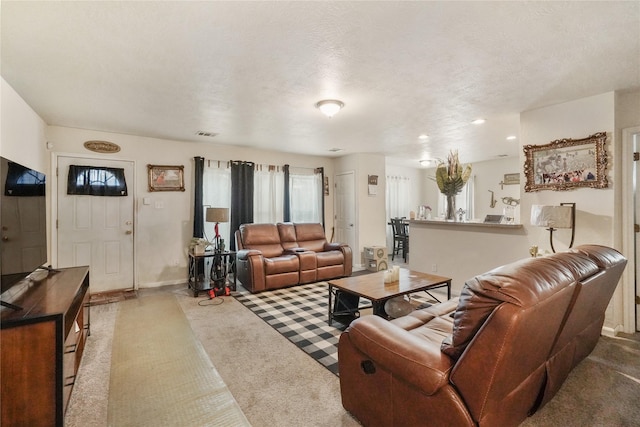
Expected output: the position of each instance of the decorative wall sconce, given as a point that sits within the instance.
(555, 217)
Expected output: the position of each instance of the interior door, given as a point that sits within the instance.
(97, 231)
(345, 210)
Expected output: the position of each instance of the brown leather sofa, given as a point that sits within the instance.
(272, 256)
(491, 357)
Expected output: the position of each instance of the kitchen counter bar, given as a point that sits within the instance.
(462, 250)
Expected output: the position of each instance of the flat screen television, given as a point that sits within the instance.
(23, 224)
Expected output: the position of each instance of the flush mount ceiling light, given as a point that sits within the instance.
(423, 137)
(329, 107)
(511, 138)
(425, 162)
(478, 121)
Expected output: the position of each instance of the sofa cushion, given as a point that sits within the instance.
(325, 259)
(311, 237)
(263, 237)
(287, 233)
(522, 283)
(603, 256)
(281, 264)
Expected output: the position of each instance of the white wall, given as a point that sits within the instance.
(488, 175)
(22, 139)
(594, 207)
(370, 210)
(163, 234)
(22, 131)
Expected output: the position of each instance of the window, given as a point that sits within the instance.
(268, 194)
(217, 194)
(305, 194)
(96, 181)
(305, 189)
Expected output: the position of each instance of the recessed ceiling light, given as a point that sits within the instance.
(425, 162)
(478, 121)
(423, 136)
(335, 150)
(511, 137)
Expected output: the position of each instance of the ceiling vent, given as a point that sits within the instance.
(207, 134)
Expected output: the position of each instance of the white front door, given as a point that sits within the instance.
(97, 230)
(345, 208)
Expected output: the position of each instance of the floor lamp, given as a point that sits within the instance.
(555, 217)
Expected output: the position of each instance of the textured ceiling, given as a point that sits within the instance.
(252, 71)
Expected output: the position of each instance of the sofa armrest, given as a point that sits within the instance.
(250, 269)
(245, 254)
(334, 246)
(416, 360)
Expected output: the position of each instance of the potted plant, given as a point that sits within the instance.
(451, 178)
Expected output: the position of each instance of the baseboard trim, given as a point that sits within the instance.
(608, 331)
(163, 283)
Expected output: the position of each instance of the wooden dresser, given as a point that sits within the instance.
(41, 348)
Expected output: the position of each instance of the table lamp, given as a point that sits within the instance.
(555, 217)
(217, 215)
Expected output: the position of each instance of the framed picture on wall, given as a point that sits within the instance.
(166, 178)
(565, 164)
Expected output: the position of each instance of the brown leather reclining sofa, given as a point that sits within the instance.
(489, 358)
(272, 256)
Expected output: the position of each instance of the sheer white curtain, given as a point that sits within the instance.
(470, 197)
(397, 196)
(268, 194)
(217, 194)
(305, 191)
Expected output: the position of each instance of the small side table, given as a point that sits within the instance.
(210, 268)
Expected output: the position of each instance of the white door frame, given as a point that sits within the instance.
(628, 316)
(53, 189)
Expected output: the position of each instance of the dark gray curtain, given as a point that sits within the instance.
(286, 215)
(241, 197)
(198, 211)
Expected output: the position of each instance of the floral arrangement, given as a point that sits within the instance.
(452, 176)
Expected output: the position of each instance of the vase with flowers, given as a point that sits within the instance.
(451, 178)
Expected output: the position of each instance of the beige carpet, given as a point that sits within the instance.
(160, 374)
(278, 385)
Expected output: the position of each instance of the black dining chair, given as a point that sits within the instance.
(400, 237)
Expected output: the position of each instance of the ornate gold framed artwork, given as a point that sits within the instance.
(565, 164)
(166, 178)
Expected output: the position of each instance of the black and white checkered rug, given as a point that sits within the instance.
(300, 314)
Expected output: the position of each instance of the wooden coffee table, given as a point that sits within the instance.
(372, 287)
